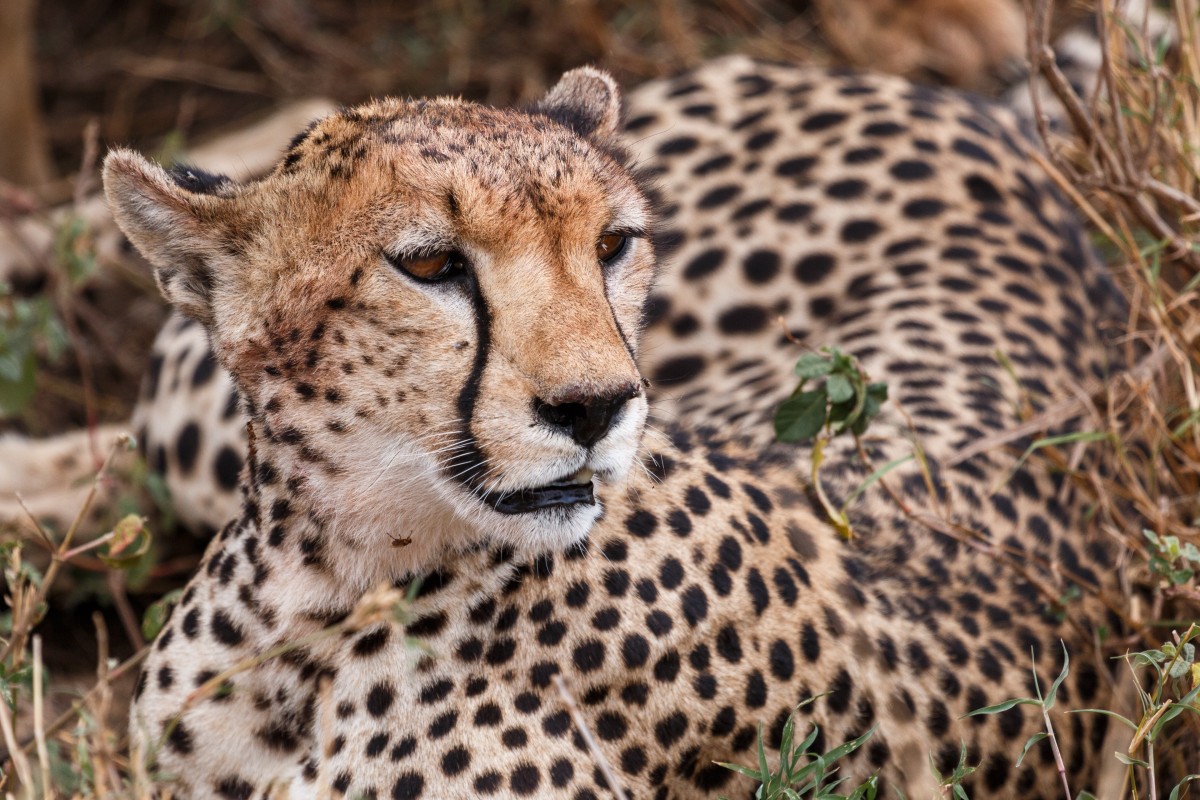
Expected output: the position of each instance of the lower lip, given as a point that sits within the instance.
(525, 501)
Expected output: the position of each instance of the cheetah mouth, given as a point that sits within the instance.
(574, 490)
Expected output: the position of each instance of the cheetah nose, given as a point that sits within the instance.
(586, 418)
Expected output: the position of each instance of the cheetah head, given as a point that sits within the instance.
(430, 309)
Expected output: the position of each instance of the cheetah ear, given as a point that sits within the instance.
(586, 100)
(180, 232)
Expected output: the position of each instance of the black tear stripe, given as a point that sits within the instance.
(466, 467)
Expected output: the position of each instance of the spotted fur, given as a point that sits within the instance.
(903, 224)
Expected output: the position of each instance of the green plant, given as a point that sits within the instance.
(1171, 560)
(1046, 704)
(845, 401)
(27, 327)
(802, 772)
(1172, 668)
(953, 782)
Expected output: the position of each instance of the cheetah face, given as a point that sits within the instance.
(430, 309)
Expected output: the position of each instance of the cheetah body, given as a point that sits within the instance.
(710, 594)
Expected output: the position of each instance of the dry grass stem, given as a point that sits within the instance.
(610, 777)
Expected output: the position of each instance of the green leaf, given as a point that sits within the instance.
(1001, 707)
(839, 388)
(1030, 742)
(849, 747)
(16, 392)
(131, 539)
(1061, 677)
(1175, 792)
(875, 476)
(156, 615)
(1132, 725)
(801, 416)
(813, 365)
(739, 769)
(1125, 758)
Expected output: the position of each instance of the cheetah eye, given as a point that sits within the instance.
(430, 267)
(609, 246)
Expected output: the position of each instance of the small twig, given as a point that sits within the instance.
(37, 526)
(325, 703)
(102, 699)
(19, 761)
(1058, 759)
(581, 725)
(39, 720)
(120, 598)
(14, 753)
(23, 622)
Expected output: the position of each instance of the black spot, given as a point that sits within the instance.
(782, 663)
(206, 367)
(911, 170)
(761, 266)
(180, 739)
(794, 212)
(611, 725)
(225, 630)
(234, 788)
(403, 749)
(377, 744)
(589, 656)
(758, 591)
(743, 319)
(188, 447)
(971, 150)
(694, 605)
(666, 669)
(810, 642)
(822, 121)
(670, 573)
(679, 369)
(840, 692)
(859, 230)
(641, 523)
(697, 501)
(756, 690)
(848, 189)
(678, 146)
(704, 264)
(561, 772)
(718, 196)
(380, 699)
(443, 725)
(982, 190)
(671, 729)
(795, 167)
(524, 779)
(883, 129)
(729, 644)
(635, 651)
(408, 786)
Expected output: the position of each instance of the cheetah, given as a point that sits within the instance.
(522, 365)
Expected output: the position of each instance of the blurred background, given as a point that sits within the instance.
(164, 76)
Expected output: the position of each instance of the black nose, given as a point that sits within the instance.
(586, 418)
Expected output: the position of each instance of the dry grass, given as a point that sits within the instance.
(1131, 161)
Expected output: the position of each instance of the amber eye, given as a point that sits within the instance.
(438, 266)
(609, 246)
